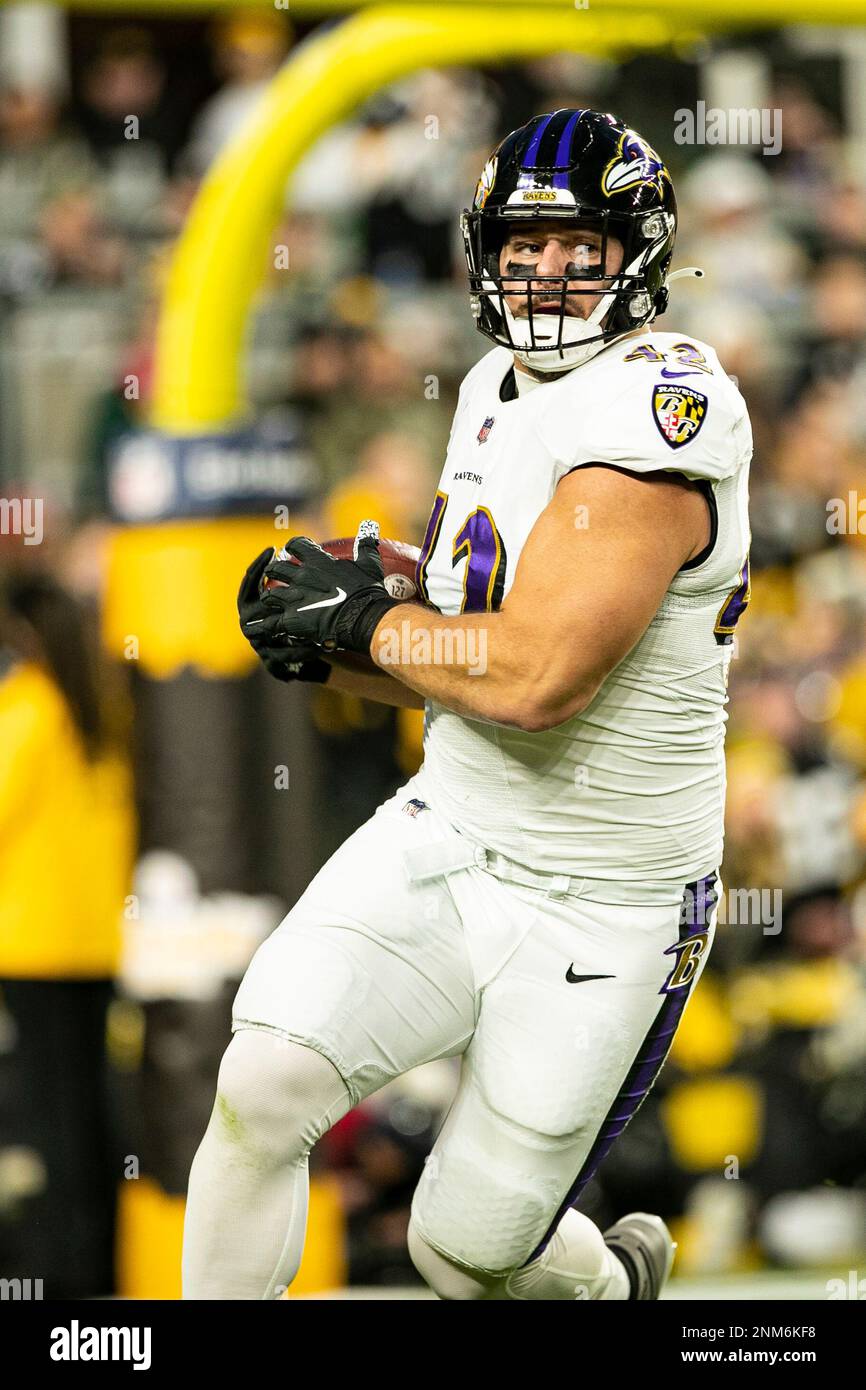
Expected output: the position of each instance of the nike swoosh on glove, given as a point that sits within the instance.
(283, 661)
(330, 603)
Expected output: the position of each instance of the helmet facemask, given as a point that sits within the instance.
(556, 342)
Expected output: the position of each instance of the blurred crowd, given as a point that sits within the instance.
(754, 1140)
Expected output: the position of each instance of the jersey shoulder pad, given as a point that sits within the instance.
(651, 412)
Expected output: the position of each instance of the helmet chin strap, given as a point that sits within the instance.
(574, 349)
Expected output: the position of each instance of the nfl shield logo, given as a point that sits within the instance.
(486, 428)
(679, 412)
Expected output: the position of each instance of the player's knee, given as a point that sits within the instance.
(481, 1210)
(276, 1096)
(444, 1277)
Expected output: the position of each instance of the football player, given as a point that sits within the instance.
(540, 898)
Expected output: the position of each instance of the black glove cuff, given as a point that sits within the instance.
(361, 625)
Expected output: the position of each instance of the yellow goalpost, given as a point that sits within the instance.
(219, 260)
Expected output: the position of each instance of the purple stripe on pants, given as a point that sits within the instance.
(699, 899)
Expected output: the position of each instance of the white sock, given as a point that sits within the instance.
(246, 1212)
(576, 1264)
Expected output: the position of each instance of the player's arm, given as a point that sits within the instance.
(580, 601)
(354, 675)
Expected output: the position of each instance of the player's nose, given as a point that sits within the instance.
(553, 261)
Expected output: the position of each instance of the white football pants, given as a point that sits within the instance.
(405, 949)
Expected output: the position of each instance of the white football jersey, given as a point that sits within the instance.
(632, 789)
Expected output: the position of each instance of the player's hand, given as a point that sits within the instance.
(329, 603)
(314, 669)
(283, 660)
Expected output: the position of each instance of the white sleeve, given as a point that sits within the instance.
(698, 427)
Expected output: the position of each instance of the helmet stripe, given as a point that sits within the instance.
(531, 154)
(563, 149)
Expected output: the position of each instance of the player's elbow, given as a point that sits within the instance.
(543, 708)
(539, 719)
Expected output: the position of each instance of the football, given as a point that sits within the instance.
(399, 561)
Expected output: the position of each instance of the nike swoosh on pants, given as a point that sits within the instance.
(578, 979)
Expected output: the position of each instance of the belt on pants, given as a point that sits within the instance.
(449, 856)
(428, 862)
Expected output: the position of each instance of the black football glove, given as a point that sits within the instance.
(285, 661)
(329, 603)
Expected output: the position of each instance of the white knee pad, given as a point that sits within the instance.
(443, 1276)
(276, 1096)
(485, 1207)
